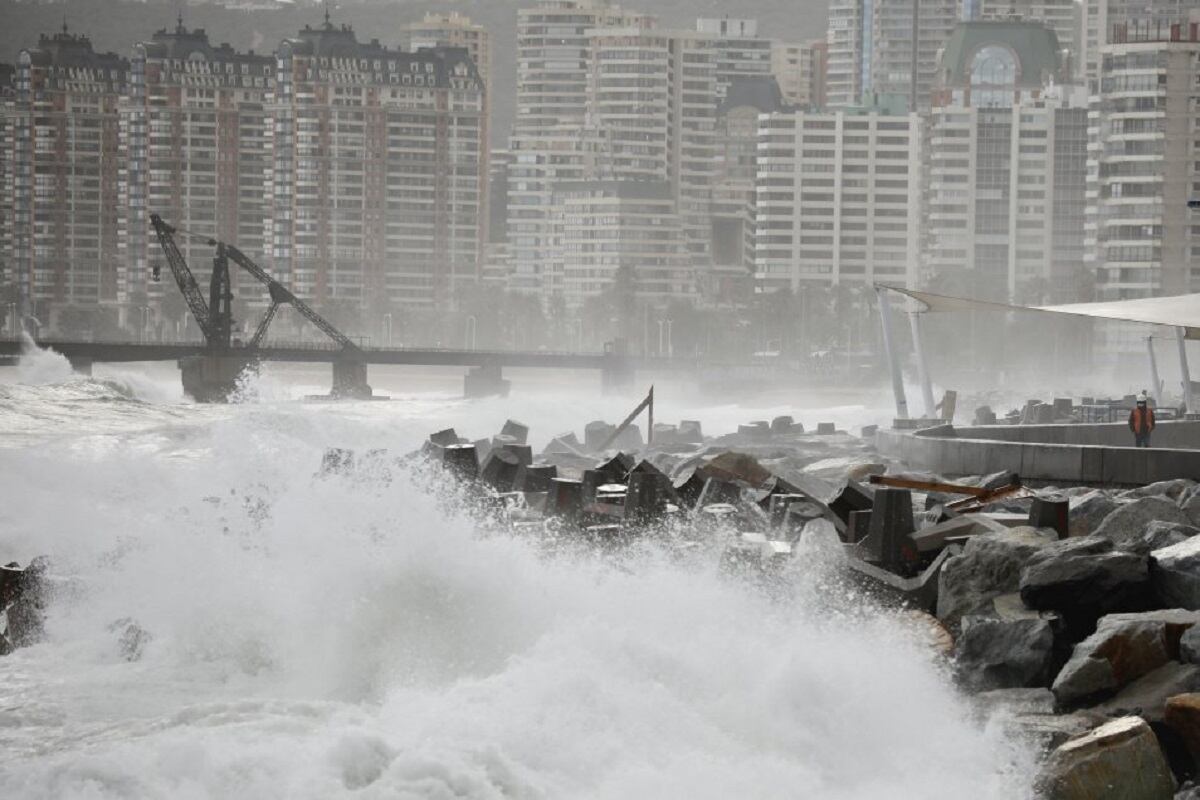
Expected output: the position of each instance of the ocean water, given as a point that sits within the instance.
(362, 636)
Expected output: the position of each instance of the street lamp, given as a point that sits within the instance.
(386, 321)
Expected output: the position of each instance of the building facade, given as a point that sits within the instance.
(1148, 112)
(554, 59)
(886, 48)
(65, 128)
(1007, 167)
(740, 53)
(377, 185)
(608, 226)
(1105, 21)
(195, 134)
(838, 198)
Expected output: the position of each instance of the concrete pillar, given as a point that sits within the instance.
(914, 320)
(213, 378)
(81, 365)
(1155, 384)
(889, 347)
(485, 381)
(1184, 371)
(350, 380)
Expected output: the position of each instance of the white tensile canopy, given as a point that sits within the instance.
(1180, 311)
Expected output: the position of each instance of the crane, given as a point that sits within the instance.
(215, 317)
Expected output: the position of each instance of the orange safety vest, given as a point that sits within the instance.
(1141, 420)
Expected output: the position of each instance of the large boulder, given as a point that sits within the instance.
(1190, 505)
(1182, 715)
(1120, 760)
(989, 566)
(1147, 696)
(1084, 579)
(1189, 646)
(1175, 574)
(1160, 534)
(1087, 511)
(1124, 648)
(1173, 489)
(1004, 654)
(1127, 523)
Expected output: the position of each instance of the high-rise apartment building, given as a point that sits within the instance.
(838, 198)
(456, 30)
(740, 53)
(539, 162)
(377, 177)
(1006, 167)
(607, 226)
(799, 69)
(1060, 16)
(733, 195)
(195, 132)
(884, 48)
(554, 59)
(1146, 239)
(648, 113)
(452, 30)
(65, 128)
(7, 279)
(1103, 21)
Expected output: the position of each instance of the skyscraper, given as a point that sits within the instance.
(377, 174)
(1007, 166)
(740, 51)
(65, 125)
(554, 59)
(886, 48)
(1100, 20)
(838, 198)
(195, 142)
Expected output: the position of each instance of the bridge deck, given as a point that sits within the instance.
(318, 353)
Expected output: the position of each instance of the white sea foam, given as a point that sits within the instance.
(337, 637)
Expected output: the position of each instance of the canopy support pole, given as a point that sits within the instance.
(1156, 385)
(914, 320)
(885, 318)
(1184, 371)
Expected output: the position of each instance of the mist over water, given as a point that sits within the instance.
(361, 636)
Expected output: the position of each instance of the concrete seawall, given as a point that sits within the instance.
(1067, 454)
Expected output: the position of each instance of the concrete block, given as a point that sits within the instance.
(519, 431)
(500, 470)
(444, 437)
(1050, 512)
(535, 477)
(826, 428)
(523, 452)
(462, 460)
(646, 498)
(781, 425)
(565, 498)
(595, 434)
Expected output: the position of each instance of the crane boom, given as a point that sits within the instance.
(281, 295)
(183, 277)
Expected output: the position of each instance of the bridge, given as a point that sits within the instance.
(485, 375)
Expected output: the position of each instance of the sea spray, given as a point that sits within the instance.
(322, 638)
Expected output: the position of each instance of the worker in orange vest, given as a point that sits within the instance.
(1141, 422)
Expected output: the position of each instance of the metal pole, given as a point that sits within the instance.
(650, 419)
(1184, 371)
(1154, 382)
(885, 318)
(914, 320)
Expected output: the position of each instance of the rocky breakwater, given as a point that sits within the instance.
(1070, 615)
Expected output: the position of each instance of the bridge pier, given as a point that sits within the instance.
(213, 378)
(617, 372)
(81, 365)
(485, 380)
(350, 380)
